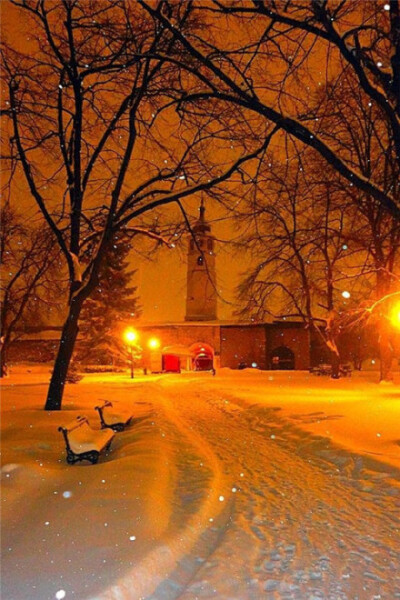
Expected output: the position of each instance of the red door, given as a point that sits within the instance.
(171, 363)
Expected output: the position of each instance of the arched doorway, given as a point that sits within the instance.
(282, 358)
(202, 357)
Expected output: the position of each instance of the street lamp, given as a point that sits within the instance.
(131, 336)
(395, 315)
(153, 343)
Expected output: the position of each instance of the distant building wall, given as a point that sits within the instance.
(243, 345)
(293, 336)
(232, 344)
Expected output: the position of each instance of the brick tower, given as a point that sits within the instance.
(201, 298)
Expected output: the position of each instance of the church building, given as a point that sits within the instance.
(202, 342)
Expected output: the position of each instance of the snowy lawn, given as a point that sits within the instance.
(244, 485)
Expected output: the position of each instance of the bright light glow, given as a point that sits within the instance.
(395, 315)
(386, 6)
(254, 365)
(153, 343)
(346, 294)
(130, 336)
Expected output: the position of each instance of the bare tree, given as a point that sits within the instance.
(267, 66)
(28, 265)
(298, 241)
(363, 133)
(95, 132)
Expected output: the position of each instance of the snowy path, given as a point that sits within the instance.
(301, 526)
(224, 494)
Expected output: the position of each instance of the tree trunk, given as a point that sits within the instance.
(63, 359)
(3, 360)
(335, 364)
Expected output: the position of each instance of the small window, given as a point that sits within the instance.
(191, 244)
(200, 260)
(209, 244)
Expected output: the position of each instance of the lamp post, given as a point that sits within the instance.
(131, 336)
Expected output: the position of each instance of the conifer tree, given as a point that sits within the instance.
(113, 301)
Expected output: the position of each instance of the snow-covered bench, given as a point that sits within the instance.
(324, 369)
(116, 420)
(83, 442)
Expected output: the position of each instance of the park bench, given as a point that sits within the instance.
(84, 443)
(113, 419)
(324, 369)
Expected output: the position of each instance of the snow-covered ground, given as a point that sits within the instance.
(242, 486)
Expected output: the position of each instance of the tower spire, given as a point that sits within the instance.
(202, 210)
(201, 225)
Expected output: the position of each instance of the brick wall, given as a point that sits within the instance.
(243, 344)
(294, 337)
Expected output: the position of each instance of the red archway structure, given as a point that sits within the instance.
(202, 356)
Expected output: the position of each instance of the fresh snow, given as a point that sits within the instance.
(242, 486)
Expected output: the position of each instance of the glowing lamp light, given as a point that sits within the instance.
(395, 315)
(153, 343)
(254, 365)
(130, 336)
(346, 294)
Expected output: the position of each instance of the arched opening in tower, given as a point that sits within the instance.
(202, 357)
(282, 358)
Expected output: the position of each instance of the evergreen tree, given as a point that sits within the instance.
(112, 301)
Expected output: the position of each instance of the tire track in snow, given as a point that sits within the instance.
(203, 531)
(316, 533)
(165, 571)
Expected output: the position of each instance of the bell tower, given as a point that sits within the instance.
(201, 294)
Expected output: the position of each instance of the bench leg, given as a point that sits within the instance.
(93, 456)
(71, 458)
(116, 427)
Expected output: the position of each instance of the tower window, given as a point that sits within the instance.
(209, 244)
(200, 260)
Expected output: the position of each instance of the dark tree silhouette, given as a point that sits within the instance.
(279, 52)
(297, 241)
(113, 300)
(28, 263)
(93, 126)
